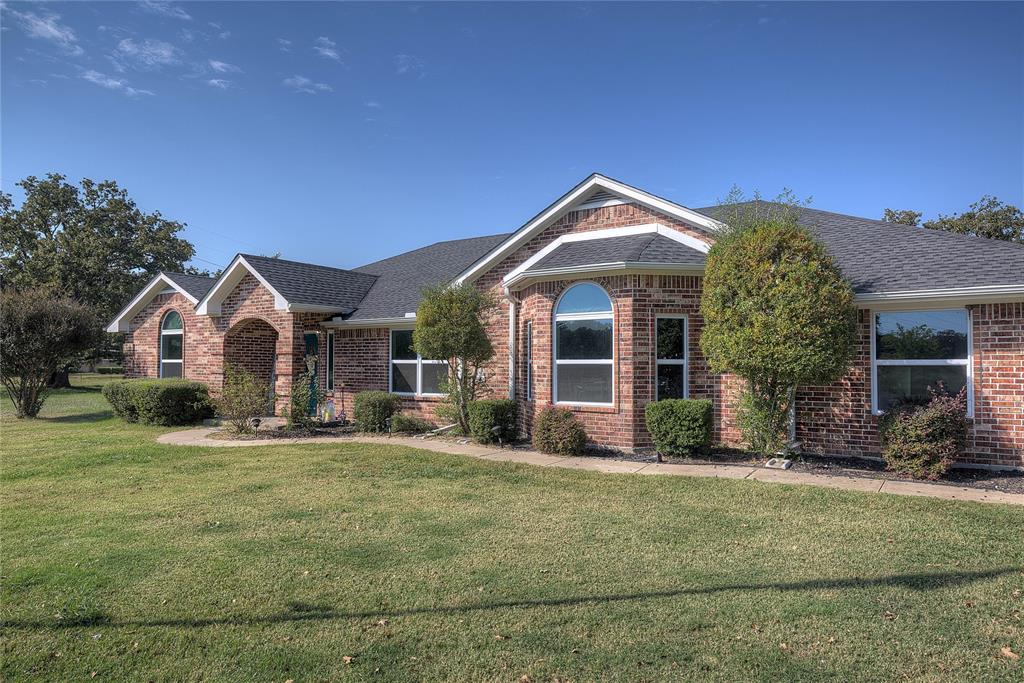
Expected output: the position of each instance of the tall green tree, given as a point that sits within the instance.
(450, 325)
(89, 242)
(902, 217)
(777, 313)
(988, 217)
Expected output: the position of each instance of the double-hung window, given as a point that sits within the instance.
(172, 345)
(914, 351)
(411, 374)
(671, 347)
(584, 346)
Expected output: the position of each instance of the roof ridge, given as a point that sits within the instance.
(300, 263)
(428, 246)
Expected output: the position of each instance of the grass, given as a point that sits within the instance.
(134, 561)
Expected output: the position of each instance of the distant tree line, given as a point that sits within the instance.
(988, 217)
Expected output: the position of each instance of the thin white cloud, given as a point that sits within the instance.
(372, 104)
(47, 27)
(327, 48)
(305, 85)
(116, 84)
(219, 83)
(410, 65)
(284, 45)
(223, 67)
(148, 54)
(165, 9)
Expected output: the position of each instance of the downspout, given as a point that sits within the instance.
(513, 306)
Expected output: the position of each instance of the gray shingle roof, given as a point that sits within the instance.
(196, 285)
(401, 279)
(305, 284)
(876, 256)
(646, 248)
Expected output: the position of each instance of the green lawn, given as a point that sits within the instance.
(146, 562)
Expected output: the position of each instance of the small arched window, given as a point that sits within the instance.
(584, 346)
(172, 345)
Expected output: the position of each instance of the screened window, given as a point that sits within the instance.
(172, 345)
(918, 350)
(583, 346)
(671, 348)
(411, 374)
(330, 361)
(529, 361)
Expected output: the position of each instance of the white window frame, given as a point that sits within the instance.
(330, 353)
(968, 362)
(181, 333)
(567, 317)
(529, 360)
(685, 361)
(419, 362)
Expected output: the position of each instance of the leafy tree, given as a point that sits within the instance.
(450, 326)
(902, 217)
(777, 313)
(987, 217)
(90, 243)
(38, 334)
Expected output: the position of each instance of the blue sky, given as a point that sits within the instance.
(342, 133)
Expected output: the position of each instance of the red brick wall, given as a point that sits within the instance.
(998, 335)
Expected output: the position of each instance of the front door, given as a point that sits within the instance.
(313, 351)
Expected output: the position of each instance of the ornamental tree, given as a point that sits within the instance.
(777, 313)
(450, 326)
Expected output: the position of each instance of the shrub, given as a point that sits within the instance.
(484, 416)
(924, 441)
(372, 410)
(243, 398)
(305, 388)
(159, 401)
(409, 424)
(558, 431)
(679, 426)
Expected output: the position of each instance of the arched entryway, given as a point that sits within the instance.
(252, 344)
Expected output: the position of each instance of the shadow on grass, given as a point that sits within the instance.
(302, 611)
(81, 417)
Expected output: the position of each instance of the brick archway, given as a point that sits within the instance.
(252, 344)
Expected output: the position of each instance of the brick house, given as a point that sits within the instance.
(599, 312)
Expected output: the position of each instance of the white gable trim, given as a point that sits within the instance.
(160, 284)
(646, 228)
(567, 203)
(228, 280)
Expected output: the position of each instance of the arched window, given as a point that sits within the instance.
(583, 346)
(172, 345)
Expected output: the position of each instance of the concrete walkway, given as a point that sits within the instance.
(201, 437)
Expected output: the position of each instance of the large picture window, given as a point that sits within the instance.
(671, 348)
(172, 345)
(584, 346)
(915, 350)
(411, 374)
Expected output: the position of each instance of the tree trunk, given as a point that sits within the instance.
(59, 379)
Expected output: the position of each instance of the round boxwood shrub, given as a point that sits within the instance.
(373, 409)
(923, 441)
(409, 424)
(159, 401)
(558, 431)
(679, 426)
(485, 416)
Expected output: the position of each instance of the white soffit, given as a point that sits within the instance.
(158, 285)
(228, 280)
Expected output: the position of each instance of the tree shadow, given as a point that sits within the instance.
(75, 418)
(301, 611)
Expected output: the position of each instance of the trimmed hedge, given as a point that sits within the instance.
(679, 426)
(558, 431)
(159, 401)
(409, 424)
(484, 416)
(924, 441)
(372, 410)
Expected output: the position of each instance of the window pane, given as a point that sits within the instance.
(434, 376)
(170, 369)
(585, 383)
(403, 378)
(401, 345)
(671, 338)
(671, 381)
(170, 346)
(172, 321)
(585, 298)
(914, 335)
(584, 339)
(899, 383)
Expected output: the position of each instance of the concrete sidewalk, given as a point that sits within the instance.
(201, 437)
